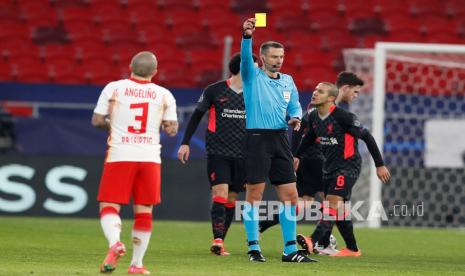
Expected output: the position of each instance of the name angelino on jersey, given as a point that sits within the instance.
(328, 141)
(233, 113)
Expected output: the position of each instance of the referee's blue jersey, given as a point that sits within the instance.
(267, 100)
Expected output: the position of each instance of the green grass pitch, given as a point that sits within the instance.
(45, 246)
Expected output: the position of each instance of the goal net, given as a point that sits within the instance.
(413, 102)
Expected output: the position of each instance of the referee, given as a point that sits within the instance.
(269, 97)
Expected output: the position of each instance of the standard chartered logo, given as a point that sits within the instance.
(233, 113)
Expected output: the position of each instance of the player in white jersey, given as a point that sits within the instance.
(133, 110)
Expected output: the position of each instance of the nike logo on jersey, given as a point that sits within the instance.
(222, 100)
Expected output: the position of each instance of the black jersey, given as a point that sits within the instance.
(313, 151)
(338, 135)
(226, 122)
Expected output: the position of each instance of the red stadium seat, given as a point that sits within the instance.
(30, 71)
(405, 36)
(444, 37)
(210, 18)
(171, 5)
(286, 22)
(200, 58)
(438, 24)
(357, 9)
(336, 40)
(426, 8)
(454, 9)
(108, 12)
(387, 8)
(278, 6)
(74, 14)
(52, 51)
(6, 73)
(182, 18)
(323, 21)
(327, 6)
(173, 76)
(224, 6)
(401, 23)
(38, 13)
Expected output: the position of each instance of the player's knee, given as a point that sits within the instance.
(232, 197)
(220, 190)
(334, 201)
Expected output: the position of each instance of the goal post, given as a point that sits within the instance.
(420, 80)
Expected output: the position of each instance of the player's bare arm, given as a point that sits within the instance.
(249, 26)
(101, 121)
(170, 127)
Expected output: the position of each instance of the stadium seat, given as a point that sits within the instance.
(326, 20)
(30, 71)
(74, 14)
(444, 37)
(454, 9)
(108, 12)
(277, 6)
(207, 77)
(89, 48)
(327, 6)
(224, 6)
(50, 52)
(336, 40)
(303, 59)
(182, 18)
(405, 36)
(438, 24)
(309, 78)
(14, 29)
(6, 72)
(200, 58)
(387, 8)
(211, 20)
(172, 5)
(426, 8)
(187, 36)
(240, 6)
(369, 41)
(38, 13)
(401, 23)
(357, 9)
(117, 34)
(290, 21)
(174, 77)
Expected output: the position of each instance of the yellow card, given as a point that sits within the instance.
(260, 19)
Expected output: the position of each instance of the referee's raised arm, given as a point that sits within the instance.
(247, 63)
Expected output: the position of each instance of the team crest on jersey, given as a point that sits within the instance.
(329, 128)
(287, 95)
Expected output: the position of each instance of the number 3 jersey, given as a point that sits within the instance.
(136, 109)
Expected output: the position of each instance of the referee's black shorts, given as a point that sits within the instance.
(268, 154)
(310, 177)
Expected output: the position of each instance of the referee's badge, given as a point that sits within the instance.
(287, 95)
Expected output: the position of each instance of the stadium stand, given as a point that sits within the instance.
(87, 31)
